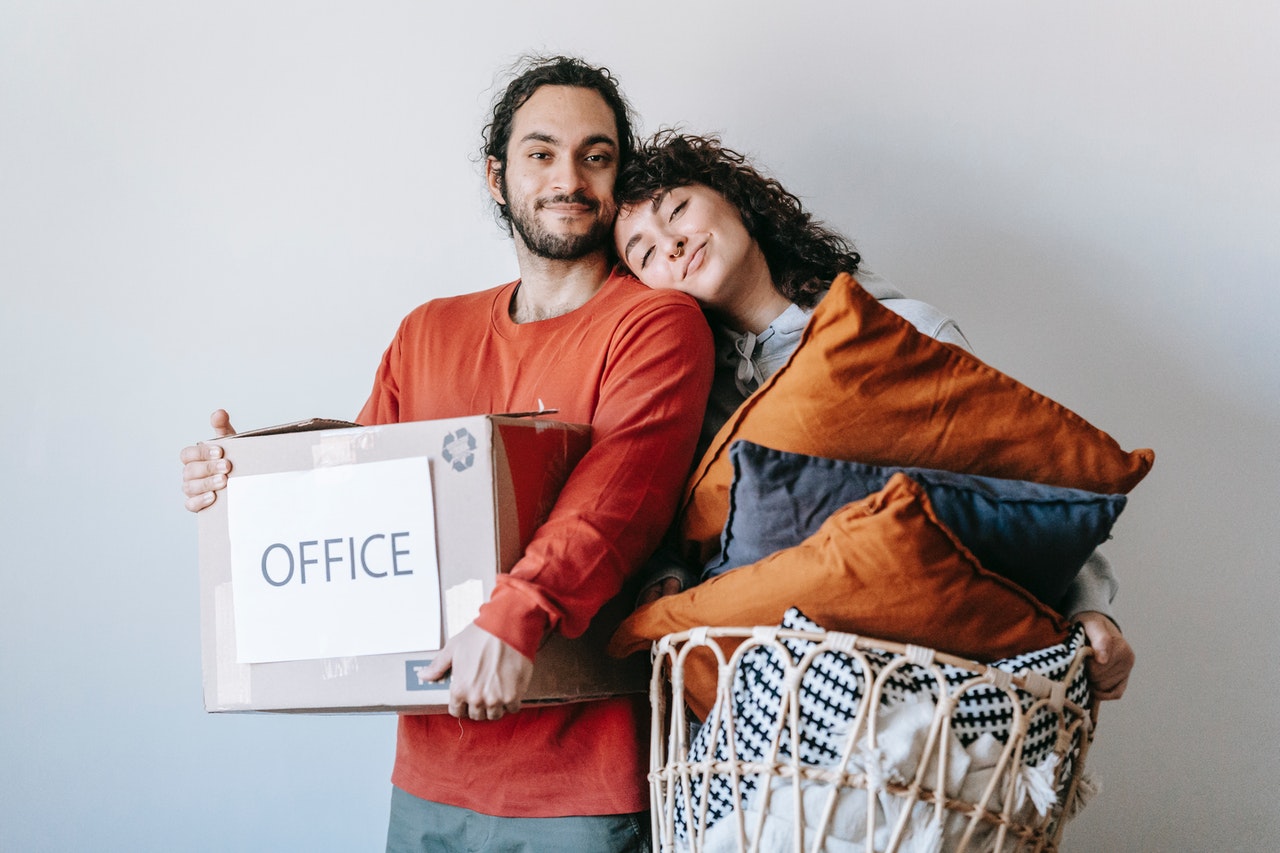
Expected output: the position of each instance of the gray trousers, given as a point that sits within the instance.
(421, 826)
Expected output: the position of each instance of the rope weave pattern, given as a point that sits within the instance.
(760, 778)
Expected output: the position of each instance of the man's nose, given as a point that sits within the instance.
(570, 175)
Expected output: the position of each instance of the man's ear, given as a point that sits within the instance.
(493, 177)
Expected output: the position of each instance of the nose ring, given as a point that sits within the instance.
(679, 250)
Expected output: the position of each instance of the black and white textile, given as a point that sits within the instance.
(830, 694)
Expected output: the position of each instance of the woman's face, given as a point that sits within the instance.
(690, 239)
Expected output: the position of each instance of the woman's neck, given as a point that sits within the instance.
(756, 302)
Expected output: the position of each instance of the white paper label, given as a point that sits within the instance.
(334, 562)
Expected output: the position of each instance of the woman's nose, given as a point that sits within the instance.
(677, 250)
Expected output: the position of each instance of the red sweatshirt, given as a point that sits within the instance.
(634, 363)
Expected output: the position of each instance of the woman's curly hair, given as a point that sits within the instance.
(803, 255)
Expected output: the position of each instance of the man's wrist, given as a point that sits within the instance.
(524, 629)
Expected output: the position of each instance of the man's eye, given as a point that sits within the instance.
(539, 155)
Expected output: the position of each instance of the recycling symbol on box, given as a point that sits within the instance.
(459, 450)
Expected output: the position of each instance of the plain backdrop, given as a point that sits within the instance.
(234, 203)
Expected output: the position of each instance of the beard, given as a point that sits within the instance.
(559, 247)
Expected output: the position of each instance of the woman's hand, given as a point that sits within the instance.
(659, 589)
(1112, 659)
(204, 469)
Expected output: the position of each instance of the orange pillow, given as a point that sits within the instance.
(884, 567)
(865, 386)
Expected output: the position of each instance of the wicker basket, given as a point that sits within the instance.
(770, 796)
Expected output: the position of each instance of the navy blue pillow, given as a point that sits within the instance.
(1035, 535)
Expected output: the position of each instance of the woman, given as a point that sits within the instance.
(697, 217)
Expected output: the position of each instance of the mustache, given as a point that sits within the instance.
(570, 198)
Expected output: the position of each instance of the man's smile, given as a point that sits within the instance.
(569, 205)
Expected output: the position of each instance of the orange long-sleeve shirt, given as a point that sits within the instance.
(636, 365)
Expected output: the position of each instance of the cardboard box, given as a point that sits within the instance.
(491, 481)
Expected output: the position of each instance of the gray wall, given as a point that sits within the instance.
(233, 204)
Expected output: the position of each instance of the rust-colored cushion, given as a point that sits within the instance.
(884, 567)
(865, 386)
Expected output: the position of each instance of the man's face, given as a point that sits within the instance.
(562, 160)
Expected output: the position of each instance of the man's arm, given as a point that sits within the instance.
(620, 498)
(644, 391)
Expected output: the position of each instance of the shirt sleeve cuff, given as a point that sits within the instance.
(513, 616)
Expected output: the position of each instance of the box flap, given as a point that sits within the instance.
(308, 425)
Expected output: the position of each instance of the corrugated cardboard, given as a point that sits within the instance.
(488, 502)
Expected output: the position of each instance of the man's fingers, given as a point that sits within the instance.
(481, 709)
(199, 502)
(204, 486)
(436, 670)
(462, 709)
(200, 453)
(480, 703)
(199, 477)
(439, 666)
(221, 423)
(479, 713)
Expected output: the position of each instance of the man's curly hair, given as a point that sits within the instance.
(803, 255)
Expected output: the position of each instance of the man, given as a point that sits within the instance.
(601, 349)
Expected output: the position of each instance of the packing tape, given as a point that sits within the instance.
(235, 684)
(340, 667)
(341, 447)
(462, 604)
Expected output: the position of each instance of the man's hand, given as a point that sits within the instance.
(204, 470)
(1112, 659)
(489, 677)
